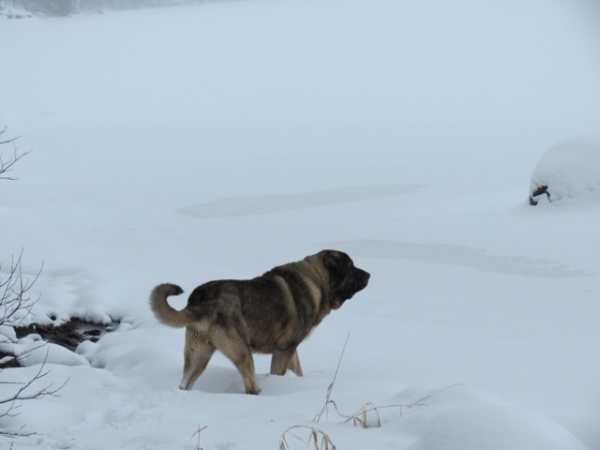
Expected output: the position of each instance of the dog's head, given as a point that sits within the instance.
(345, 279)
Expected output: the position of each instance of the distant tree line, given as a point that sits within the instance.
(66, 7)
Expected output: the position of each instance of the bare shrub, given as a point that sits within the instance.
(15, 300)
(16, 303)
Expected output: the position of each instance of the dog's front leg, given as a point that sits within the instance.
(294, 364)
(284, 359)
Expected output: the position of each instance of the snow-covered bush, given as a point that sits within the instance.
(569, 169)
(47, 7)
(67, 7)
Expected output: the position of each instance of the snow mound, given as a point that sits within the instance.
(462, 418)
(7, 334)
(494, 427)
(35, 351)
(569, 169)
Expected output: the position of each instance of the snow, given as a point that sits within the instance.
(220, 139)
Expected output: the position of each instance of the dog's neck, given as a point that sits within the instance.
(318, 272)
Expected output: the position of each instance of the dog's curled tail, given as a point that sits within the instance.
(163, 311)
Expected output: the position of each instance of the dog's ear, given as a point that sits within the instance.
(330, 259)
(336, 266)
(334, 259)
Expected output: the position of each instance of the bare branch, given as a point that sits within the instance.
(8, 141)
(16, 434)
(14, 293)
(6, 164)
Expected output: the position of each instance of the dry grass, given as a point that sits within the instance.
(200, 429)
(317, 439)
(330, 387)
(369, 415)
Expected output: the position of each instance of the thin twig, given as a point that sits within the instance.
(330, 388)
(8, 141)
(198, 433)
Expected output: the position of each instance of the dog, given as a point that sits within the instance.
(272, 314)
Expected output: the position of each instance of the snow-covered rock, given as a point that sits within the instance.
(569, 169)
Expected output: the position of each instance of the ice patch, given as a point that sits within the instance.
(269, 204)
(460, 256)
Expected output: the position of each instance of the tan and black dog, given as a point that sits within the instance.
(272, 313)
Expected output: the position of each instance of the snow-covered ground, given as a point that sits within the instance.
(219, 140)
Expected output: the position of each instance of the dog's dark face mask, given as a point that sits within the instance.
(345, 279)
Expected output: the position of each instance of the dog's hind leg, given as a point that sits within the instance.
(248, 371)
(197, 353)
(231, 344)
